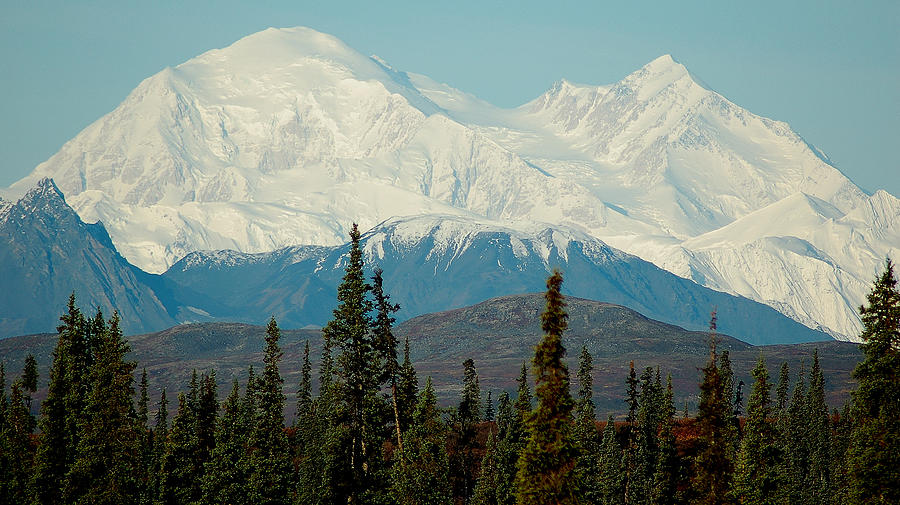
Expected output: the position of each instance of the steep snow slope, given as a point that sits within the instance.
(288, 135)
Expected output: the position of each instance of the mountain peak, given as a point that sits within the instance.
(45, 190)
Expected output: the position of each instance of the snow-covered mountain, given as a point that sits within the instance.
(288, 135)
(434, 263)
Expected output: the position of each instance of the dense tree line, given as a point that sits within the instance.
(367, 433)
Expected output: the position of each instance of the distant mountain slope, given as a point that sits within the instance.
(288, 136)
(498, 334)
(47, 252)
(434, 263)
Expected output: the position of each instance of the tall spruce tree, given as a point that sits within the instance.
(61, 408)
(794, 446)
(546, 468)
(646, 442)
(358, 370)
(420, 477)
(588, 463)
(468, 415)
(160, 442)
(270, 462)
(817, 486)
(612, 474)
(180, 464)
(713, 466)
(756, 472)
(386, 345)
(874, 452)
(666, 474)
(486, 486)
(309, 437)
(226, 474)
(407, 389)
(107, 459)
(17, 450)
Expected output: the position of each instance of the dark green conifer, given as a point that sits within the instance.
(488, 408)
(386, 345)
(207, 411)
(107, 462)
(612, 474)
(270, 462)
(226, 474)
(781, 391)
(794, 447)
(874, 452)
(712, 466)
(160, 442)
(309, 433)
(360, 375)
(468, 415)
(817, 486)
(60, 409)
(486, 486)
(665, 477)
(646, 442)
(407, 389)
(180, 462)
(546, 468)
(420, 477)
(756, 472)
(588, 463)
(17, 450)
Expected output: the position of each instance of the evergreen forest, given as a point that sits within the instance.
(371, 431)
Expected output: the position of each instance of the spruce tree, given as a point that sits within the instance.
(756, 472)
(180, 464)
(270, 463)
(160, 442)
(206, 413)
(309, 432)
(713, 466)
(358, 369)
(665, 477)
(386, 345)
(794, 446)
(546, 468)
(612, 474)
(107, 461)
(781, 391)
(588, 463)
(646, 443)
(420, 477)
(17, 450)
(488, 408)
(226, 474)
(817, 486)
(486, 486)
(469, 414)
(507, 449)
(60, 409)
(874, 452)
(145, 442)
(407, 389)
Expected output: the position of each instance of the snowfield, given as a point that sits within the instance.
(288, 136)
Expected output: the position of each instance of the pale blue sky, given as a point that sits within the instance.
(829, 68)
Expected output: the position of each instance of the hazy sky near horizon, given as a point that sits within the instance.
(829, 68)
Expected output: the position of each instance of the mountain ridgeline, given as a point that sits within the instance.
(431, 264)
(288, 136)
